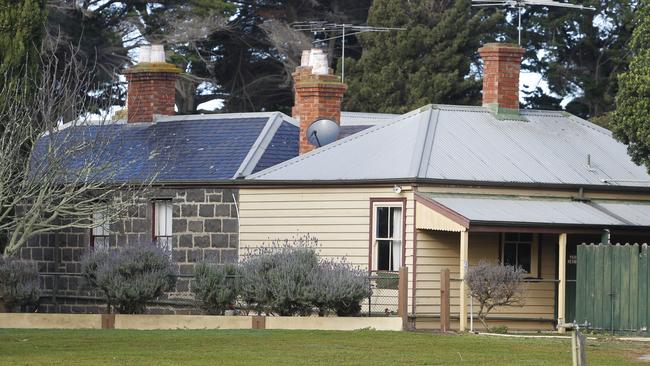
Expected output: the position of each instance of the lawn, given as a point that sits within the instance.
(269, 347)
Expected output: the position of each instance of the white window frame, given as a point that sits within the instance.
(163, 211)
(534, 251)
(396, 248)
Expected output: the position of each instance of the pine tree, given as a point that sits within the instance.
(22, 24)
(631, 120)
(428, 62)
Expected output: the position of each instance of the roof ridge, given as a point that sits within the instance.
(343, 141)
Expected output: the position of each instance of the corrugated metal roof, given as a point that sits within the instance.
(188, 148)
(366, 119)
(457, 143)
(480, 209)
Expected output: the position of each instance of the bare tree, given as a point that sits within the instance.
(494, 285)
(55, 176)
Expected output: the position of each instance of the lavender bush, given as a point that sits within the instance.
(494, 285)
(339, 287)
(19, 285)
(275, 279)
(215, 286)
(130, 277)
(289, 278)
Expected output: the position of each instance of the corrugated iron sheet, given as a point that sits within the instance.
(520, 210)
(470, 144)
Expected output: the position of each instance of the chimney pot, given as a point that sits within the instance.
(144, 54)
(157, 53)
(151, 85)
(318, 62)
(318, 93)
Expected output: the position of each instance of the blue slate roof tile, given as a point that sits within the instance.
(183, 150)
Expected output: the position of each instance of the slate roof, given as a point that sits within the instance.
(189, 148)
(441, 143)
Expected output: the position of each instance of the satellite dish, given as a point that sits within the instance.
(322, 132)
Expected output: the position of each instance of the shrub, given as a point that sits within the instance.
(19, 285)
(275, 279)
(215, 286)
(494, 285)
(339, 287)
(130, 277)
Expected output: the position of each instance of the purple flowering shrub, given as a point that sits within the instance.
(19, 284)
(130, 277)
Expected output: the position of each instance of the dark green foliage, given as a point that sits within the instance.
(429, 62)
(21, 31)
(215, 286)
(631, 120)
(130, 277)
(582, 51)
(19, 284)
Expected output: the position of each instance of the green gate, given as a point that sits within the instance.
(612, 287)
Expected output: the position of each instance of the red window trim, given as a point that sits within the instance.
(373, 201)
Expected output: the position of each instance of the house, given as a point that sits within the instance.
(446, 186)
(193, 163)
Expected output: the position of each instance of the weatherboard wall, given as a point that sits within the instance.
(339, 217)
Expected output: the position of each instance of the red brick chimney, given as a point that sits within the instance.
(501, 67)
(318, 94)
(151, 85)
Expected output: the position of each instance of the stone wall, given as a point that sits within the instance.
(204, 227)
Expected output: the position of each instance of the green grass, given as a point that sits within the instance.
(268, 347)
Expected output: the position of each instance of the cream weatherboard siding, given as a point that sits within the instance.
(339, 217)
(438, 250)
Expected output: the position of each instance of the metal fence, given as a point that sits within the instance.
(384, 299)
(613, 287)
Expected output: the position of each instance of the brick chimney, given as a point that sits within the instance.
(318, 94)
(502, 63)
(151, 85)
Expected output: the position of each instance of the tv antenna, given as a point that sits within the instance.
(340, 31)
(520, 5)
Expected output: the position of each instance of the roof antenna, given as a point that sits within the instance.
(336, 31)
(521, 4)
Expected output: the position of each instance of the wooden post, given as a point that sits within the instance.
(464, 246)
(561, 288)
(402, 296)
(108, 321)
(259, 322)
(444, 300)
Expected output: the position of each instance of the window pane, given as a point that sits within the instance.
(523, 256)
(510, 254)
(383, 255)
(100, 243)
(383, 214)
(165, 242)
(163, 218)
(99, 226)
(511, 237)
(526, 237)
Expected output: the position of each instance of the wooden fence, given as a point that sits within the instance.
(613, 287)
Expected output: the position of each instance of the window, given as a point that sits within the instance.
(388, 237)
(518, 250)
(162, 218)
(99, 233)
